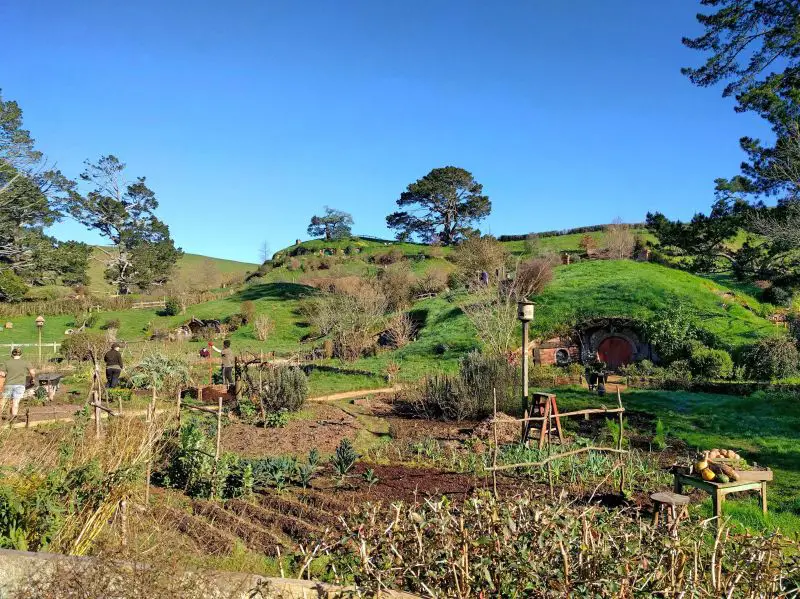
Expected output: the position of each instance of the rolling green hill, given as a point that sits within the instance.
(192, 270)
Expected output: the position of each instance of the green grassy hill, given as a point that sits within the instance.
(192, 270)
(639, 290)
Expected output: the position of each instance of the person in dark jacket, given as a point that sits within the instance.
(113, 360)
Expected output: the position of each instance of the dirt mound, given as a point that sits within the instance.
(508, 430)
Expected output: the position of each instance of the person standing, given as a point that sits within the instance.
(15, 374)
(227, 361)
(113, 360)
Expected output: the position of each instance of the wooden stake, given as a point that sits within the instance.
(179, 408)
(123, 518)
(96, 414)
(219, 429)
(494, 455)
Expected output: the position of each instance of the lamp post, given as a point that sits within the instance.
(525, 316)
(40, 326)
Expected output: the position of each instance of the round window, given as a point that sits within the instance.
(562, 357)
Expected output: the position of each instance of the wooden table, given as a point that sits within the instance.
(753, 480)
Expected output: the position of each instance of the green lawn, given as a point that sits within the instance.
(763, 428)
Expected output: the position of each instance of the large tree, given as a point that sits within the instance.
(334, 224)
(752, 46)
(33, 196)
(143, 253)
(441, 206)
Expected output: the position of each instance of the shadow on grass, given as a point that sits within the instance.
(281, 291)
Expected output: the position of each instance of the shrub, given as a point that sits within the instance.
(12, 287)
(470, 393)
(349, 319)
(533, 276)
(283, 387)
(434, 251)
(113, 323)
(399, 331)
(83, 346)
(771, 358)
(277, 419)
(248, 311)
(393, 256)
(172, 307)
(478, 254)
(233, 322)
(396, 282)
(263, 326)
(434, 280)
(778, 296)
(711, 363)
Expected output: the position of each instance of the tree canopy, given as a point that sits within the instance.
(333, 224)
(752, 46)
(33, 196)
(442, 206)
(144, 254)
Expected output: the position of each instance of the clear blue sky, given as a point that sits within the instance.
(247, 117)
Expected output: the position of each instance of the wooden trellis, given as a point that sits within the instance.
(551, 415)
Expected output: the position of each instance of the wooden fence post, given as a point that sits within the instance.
(179, 408)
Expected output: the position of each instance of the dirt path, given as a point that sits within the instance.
(356, 394)
(39, 415)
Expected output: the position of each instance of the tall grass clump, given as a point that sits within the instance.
(524, 547)
(468, 395)
(63, 496)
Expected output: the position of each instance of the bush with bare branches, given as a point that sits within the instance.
(619, 240)
(478, 254)
(263, 327)
(396, 283)
(532, 277)
(351, 319)
(399, 331)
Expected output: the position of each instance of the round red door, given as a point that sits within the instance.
(615, 352)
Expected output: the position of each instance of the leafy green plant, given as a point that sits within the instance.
(370, 477)
(277, 419)
(660, 436)
(246, 411)
(305, 472)
(313, 457)
(344, 459)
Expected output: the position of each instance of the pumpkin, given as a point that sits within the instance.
(700, 465)
(707, 474)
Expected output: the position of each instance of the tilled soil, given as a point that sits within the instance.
(210, 539)
(324, 431)
(255, 537)
(295, 528)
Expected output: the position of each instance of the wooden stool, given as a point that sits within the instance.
(672, 501)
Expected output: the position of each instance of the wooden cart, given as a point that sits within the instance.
(749, 480)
